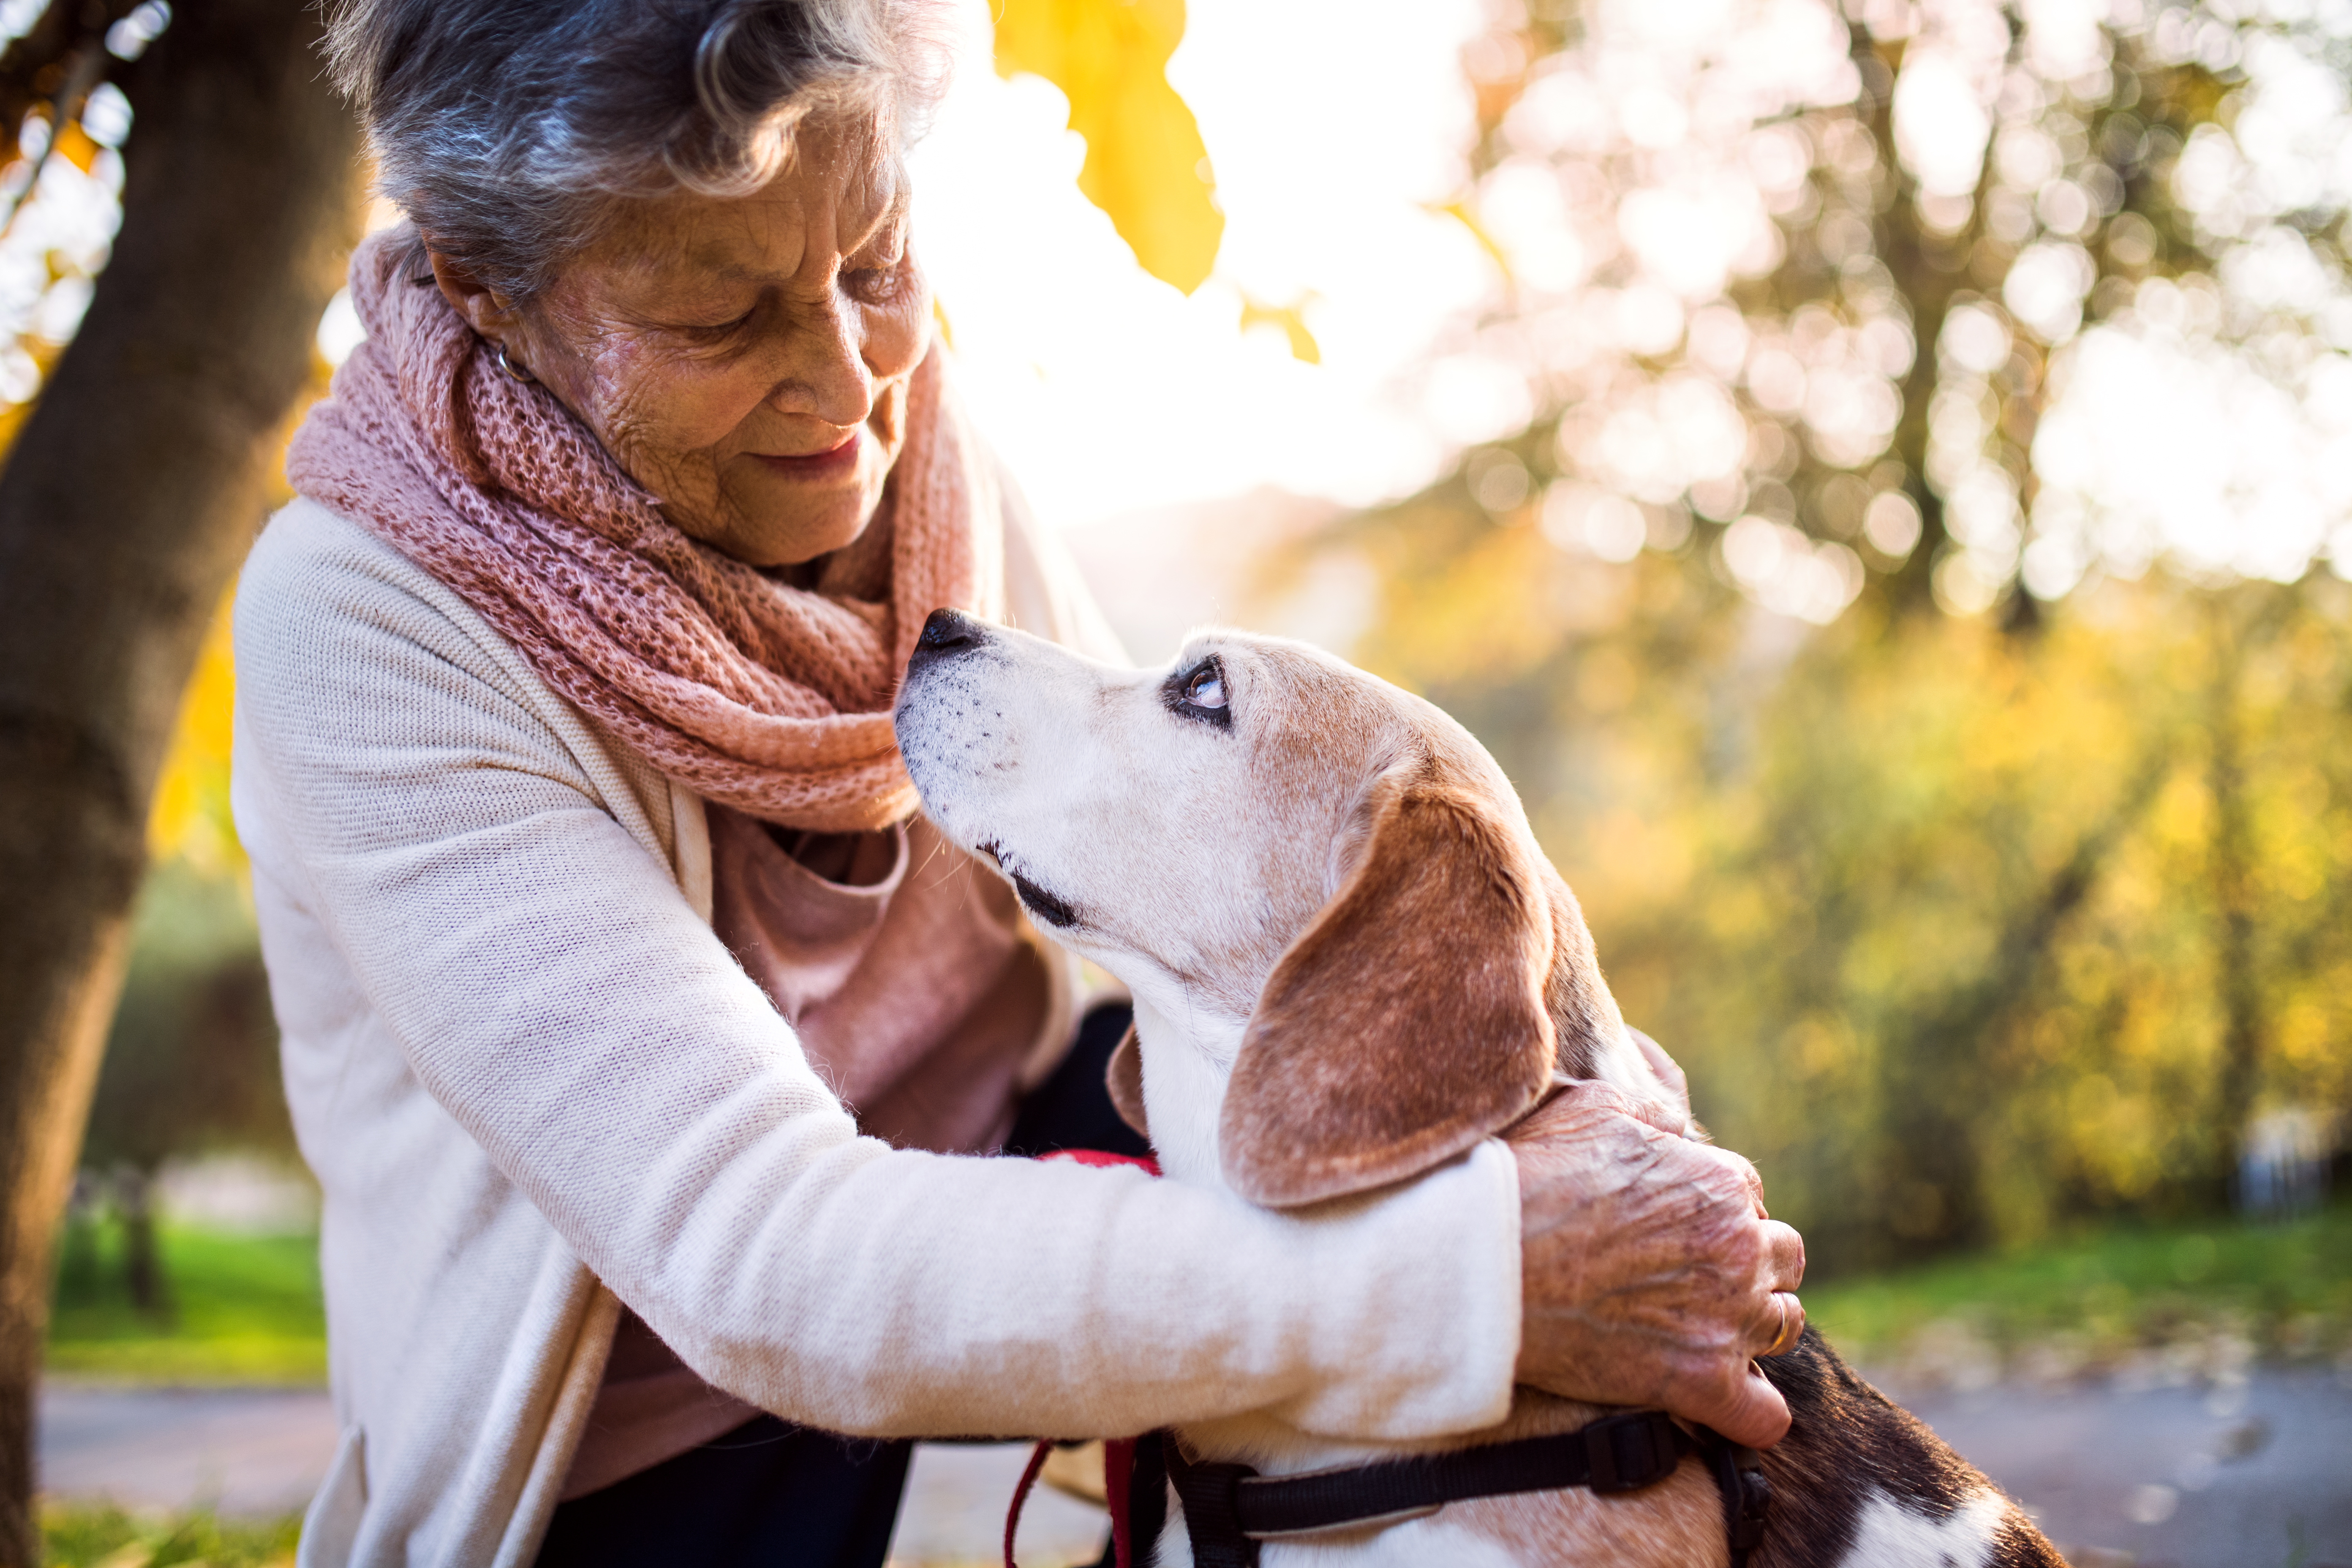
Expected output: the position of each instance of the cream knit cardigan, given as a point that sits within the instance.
(533, 1085)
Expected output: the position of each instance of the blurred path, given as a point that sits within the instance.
(241, 1451)
(2258, 1475)
(2163, 1478)
(262, 1451)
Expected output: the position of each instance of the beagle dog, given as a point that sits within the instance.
(1351, 962)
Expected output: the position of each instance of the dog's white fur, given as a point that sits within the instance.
(1193, 855)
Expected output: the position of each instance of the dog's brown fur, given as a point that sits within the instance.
(1441, 933)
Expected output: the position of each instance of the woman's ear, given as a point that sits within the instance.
(488, 311)
(1408, 1022)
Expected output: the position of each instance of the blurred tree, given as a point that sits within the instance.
(1831, 271)
(132, 489)
(191, 1061)
(1889, 553)
(1961, 934)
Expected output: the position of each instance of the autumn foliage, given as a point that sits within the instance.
(1908, 579)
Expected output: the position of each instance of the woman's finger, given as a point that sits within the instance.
(1776, 1332)
(1759, 1416)
(1591, 1097)
(1765, 1325)
(1748, 1176)
(1572, 1107)
(1745, 1408)
(1573, 1111)
(1784, 1251)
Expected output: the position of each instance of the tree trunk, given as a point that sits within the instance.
(2231, 867)
(1931, 1182)
(130, 494)
(142, 1262)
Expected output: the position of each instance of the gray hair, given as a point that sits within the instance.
(505, 129)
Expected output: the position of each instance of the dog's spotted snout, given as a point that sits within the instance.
(947, 633)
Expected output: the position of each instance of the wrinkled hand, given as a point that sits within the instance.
(1648, 1266)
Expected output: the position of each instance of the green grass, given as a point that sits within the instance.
(242, 1310)
(2280, 1290)
(82, 1535)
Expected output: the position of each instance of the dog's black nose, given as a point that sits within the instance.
(949, 632)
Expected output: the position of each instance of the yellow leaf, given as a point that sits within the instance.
(1293, 324)
(1459, 211)
(74, 147)
(1146, 166)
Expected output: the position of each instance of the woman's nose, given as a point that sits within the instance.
(825, 373)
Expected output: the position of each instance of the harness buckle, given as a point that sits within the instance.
(1211, 1494)
(1626, 1453)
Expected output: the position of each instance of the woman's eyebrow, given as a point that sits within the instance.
(893, 212)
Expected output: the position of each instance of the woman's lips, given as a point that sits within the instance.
(824, 465)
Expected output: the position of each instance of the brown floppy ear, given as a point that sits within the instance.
(1408, 1021)
(1123, 1077)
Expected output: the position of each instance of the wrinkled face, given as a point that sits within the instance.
(1177, 824)
(745, 358)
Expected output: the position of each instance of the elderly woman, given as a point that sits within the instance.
(635, 1025)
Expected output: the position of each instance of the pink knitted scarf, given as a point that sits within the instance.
(771, 698)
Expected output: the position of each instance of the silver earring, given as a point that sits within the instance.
(520, 372)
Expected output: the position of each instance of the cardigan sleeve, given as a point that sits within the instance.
(551, 989)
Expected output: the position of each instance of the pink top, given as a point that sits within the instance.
(916, 989)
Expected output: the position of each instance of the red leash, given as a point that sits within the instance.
(1021, 1498)
(1118, 1453)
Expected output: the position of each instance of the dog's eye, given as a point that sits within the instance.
(1197, 694)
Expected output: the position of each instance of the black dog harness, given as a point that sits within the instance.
(1230, 1508)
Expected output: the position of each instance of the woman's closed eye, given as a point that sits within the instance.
(877, 283)
(881, 269)
(715, 331)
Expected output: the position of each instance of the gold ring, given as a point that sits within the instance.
(1790, 1331)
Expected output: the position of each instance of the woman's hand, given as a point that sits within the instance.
(1648, 1268)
